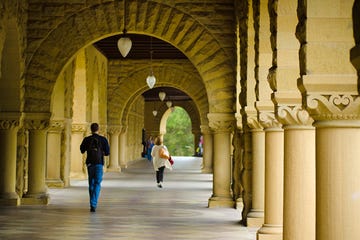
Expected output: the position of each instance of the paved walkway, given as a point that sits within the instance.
(130, 207)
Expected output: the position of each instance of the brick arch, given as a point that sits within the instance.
(170, 76)
(170, 24)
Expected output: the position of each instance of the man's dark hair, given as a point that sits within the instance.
(94, 127)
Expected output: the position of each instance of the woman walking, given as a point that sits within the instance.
(160, 161)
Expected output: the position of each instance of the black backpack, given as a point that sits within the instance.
(94, 152)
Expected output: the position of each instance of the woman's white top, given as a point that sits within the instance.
(159, 162)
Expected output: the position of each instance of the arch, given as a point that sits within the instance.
(121, 98)
(171, 25)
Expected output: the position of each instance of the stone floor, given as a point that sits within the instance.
(130, 207)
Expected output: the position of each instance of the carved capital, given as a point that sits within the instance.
(56, 125)
(114, 129)
(205, 129)
(7, 124)
(253, 122)
(221, 122)
(36, 121)
(268, 120)
(334, 107)
(293, 115)
(78, 127)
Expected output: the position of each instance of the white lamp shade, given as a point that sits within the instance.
(154, 113)
(168, 104)
(124, 45)
(162, 95)
(151, 80)
(172, 109)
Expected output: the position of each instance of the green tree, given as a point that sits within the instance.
(179, 138)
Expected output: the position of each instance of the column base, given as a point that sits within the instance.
(270, 232)
(206, 170)
(221, 202)
(36, 199)
(113, 169)
(255, 218)
(55, 183)
(9, 199)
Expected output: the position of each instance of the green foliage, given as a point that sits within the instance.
(179, 138)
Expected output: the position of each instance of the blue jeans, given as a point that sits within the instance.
(95, 176)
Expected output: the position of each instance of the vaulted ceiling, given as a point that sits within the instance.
(141, 47)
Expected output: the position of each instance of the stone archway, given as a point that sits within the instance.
(180, 75)
(182, 31)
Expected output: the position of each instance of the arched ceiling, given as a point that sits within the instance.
(141, 47)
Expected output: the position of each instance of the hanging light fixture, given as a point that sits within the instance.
(162, 95)
(151, 80)
(168, 104)
(154, 113)
(124, 44)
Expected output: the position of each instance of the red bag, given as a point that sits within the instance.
(171, 160)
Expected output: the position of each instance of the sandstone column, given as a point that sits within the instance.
(274, 174)
(122, 147)
(222, 125)
(37, 124)
(207, 164)
(255, 217)
(53, 158)
(78, 169)
(114, 132)
(9, 125)
(299, 173)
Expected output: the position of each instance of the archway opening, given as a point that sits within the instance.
(179, 138)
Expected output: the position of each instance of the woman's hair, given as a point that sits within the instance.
(158, 140)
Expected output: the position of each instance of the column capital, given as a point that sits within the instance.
(37, 121)
(253, 122)
(10, 120)
(268, 120)
(79, 127)
(56, 125)
(333, 106)
(221, 122)
(293, 115)
(205, 129)
(114, 129)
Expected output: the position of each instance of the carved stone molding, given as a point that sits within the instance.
(7, 124)
(56, 125)
(268, 120)
(221, 122)
(114, 129)
(334, 107)
(37, 121)
(205, 129)
(10, 120)
(78, 127)
(253, 122)
(293, 115)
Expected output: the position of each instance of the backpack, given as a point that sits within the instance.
(94, 152)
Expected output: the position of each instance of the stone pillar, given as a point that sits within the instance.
(77, 168)
(274, 174)
(255, 217)
(237, 167)
(222, 125)
(122, 147)
(53, 159)
(37, 124)
(9, 125)
(338, 196)
(207, 163)
(299, 173)
(114, 132)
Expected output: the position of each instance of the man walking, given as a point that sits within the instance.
(96, 147)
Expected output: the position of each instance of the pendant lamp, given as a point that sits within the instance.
(162, 95)
(124, 44)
